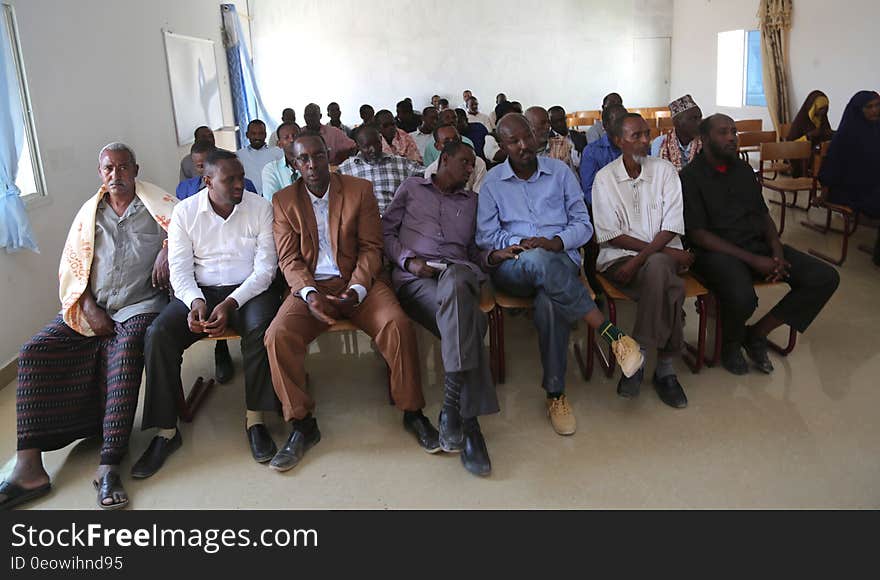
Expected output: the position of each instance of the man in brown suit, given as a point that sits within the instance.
(329, 241)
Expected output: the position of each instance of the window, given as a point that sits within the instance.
(740, 75)
(29, 178)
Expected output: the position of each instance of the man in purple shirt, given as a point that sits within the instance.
(429, 237)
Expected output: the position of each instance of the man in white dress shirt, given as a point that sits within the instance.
(639, 219)
(257, 154)
(475, 116)
(222, 257)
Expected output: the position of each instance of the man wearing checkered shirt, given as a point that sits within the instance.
(385, 171)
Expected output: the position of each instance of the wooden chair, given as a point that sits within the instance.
(665, 123)
(694, 356)
(504, 301)
(716, 351)
(656, 132)
(784, 130)
(819, 199)
(749, 125)
(663, 114)
(778, 152)
(750, 142)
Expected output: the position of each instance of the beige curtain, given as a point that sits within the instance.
(775, 22)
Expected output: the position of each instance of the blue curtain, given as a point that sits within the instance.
(15, 230)
(246, 101)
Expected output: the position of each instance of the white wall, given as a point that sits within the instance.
(97, 73)
(567, 52)
(832, 48)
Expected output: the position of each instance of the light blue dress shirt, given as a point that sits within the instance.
(549, 203)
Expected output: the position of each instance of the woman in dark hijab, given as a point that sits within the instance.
(851, 171)
(810, 124)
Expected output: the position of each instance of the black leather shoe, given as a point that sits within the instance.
(474, 455)
(733, 360)
(223, 368)
(295, 448)
(155, 455)
(629, 388)
(756, 349)
(451, 434)
(262, 446)
(670, 391)
(419, 425)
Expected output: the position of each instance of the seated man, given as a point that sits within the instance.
(597, 129)
(476, 132)
(341, 147)
(445, 297)
(475, 116)
(599, 153)
(736, 243)
(553, 147)
(446, 117)
(637, 211)
(187, 167)
(407, 120)
(385, 171)
(256, 154)
(222, 258)
(329, 241)
(394, 140)
(442, 137)
(335, 114)
(682, 144)
(113, 283)
(424, 134)
(280, 173)
(533, 205)
(199, 153)
(559, 128)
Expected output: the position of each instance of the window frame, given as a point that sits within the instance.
(743, 95)
(30, 130)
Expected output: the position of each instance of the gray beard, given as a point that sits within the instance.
(640, 159)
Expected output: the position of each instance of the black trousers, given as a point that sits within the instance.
(812, 283)
(169, 336)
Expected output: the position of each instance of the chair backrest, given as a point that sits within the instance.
(588, 114)
(749, 125)
(664, 122)
(785, 150)
(755, 138)
(784, 130)
(662, 113)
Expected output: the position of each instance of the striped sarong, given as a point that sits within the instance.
(72, 387)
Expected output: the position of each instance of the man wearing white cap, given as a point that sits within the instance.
(682, 144)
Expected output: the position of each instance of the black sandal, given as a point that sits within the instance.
(15, 495)
(110, 483)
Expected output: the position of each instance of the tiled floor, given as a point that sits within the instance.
(807, 436)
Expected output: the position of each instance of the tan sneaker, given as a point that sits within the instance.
(629, 357)
(561, 416)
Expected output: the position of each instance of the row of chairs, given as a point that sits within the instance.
(494, 303)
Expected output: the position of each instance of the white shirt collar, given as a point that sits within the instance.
(316, 199)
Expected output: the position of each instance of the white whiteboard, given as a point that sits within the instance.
(195, 86)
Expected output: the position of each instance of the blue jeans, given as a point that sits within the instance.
(560, 300)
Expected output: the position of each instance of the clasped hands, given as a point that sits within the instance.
(215, 324)
(330, 308)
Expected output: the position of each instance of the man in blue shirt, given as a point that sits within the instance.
(533, 208)
(599, 153)
(199, 153)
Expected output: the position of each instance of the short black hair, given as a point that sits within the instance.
(607, 113)
(283, 125)
(333, 103)
(309, 134)
(364, 107)
(453, 147)
(444, 102)
(503, 108)
(437, 130)
(405, 105)
(363, 129)
(616, 128)
(428, 109)
(255, 122)
(196, 132)
(201, 147)
(706, 124)
(555, 108)
(384, 112)
(218, 155)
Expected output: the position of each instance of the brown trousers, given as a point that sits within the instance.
(379, 315)
(659, 292)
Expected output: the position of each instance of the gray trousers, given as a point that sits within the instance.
(658, 291)
(449, 307)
